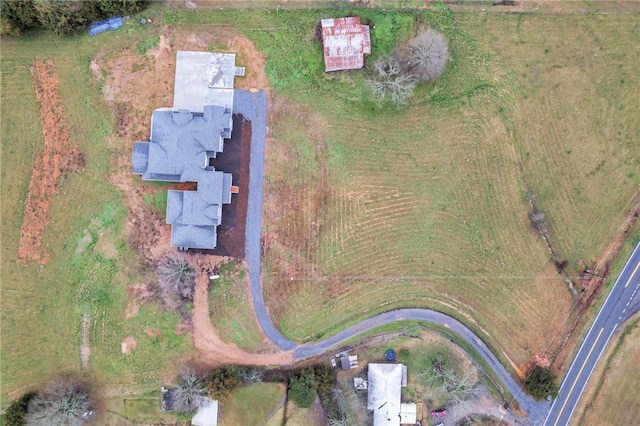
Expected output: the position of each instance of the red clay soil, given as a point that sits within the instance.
(214, 351)
(56, 158)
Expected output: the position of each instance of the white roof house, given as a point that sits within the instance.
(207, 414)
(385, 383)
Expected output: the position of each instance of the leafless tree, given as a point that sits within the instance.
(252, 375)
(176, 278)
(442, 374)
(190, 391)
(425, 56)
(62, 403)
(390, 81)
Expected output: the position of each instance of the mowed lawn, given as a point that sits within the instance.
(370, 210)
(91, 264)
(616, 401)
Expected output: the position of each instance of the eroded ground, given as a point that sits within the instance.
(57, 158)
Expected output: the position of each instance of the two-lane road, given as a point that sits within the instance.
(622, 302)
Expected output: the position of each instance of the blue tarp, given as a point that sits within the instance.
(110, 24)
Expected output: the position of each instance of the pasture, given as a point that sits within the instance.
(368, 210)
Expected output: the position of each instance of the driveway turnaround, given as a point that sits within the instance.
(621, 303)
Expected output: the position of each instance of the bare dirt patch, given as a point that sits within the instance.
(128, 345)
(85, 350)
(57, 157)
(106, 245)
(213, 350)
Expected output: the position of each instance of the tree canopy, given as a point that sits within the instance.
(302, 389)
(60, 17)
(541, 383)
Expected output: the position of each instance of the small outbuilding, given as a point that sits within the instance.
(207, 414)
(345, 42)
(348, 362)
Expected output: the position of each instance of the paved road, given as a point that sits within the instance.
(621, 303)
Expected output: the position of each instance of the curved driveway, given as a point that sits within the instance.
(253, 105)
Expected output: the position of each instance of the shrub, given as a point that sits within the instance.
(16, 414)
(541, 382)
(176, 279)
(302, 389)
(222, 382)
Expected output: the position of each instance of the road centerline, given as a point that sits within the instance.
(632, 274)
(578, 376)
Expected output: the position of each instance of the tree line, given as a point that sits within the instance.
(60, 17)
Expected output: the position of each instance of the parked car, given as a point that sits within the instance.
(439, 413)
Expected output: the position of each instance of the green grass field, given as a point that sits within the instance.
(252, 405)
(91, 264)
(230, 310)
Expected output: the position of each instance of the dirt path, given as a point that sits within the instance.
(57, 157)
(212, 349)
(85, 350)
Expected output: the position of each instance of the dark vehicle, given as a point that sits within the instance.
(110, 24)
(439, 413)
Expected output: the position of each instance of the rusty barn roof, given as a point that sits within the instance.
(345, 41)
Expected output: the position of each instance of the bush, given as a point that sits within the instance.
(176, 279)
(222, 382)
(541, 383)
(302, 389)
(16, 414)
(63, 402)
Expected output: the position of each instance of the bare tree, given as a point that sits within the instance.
(62, 403)
(441, 373)
(390, 81)
(425, 56)
(176, 278)
(252, 375)
(190, 391)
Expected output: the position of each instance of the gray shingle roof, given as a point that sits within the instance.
(179, 151)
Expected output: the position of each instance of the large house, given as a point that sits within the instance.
(385, 393)
(184, 139)
(345, 42)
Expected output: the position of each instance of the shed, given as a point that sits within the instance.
(345, 42)
(348, 362)
(207, 414)
(408, 414)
